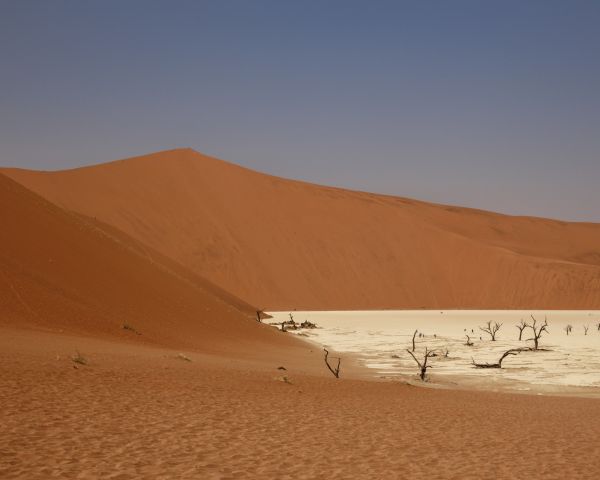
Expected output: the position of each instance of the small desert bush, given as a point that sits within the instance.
(126, 326)
(79, 358)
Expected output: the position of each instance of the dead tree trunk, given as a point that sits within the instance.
(423, 366)
(413, 341)
(469, 342)
(538, 330)
(491, 330)
(336, 370)
(568, 329)
(512, 351)
(521, 326)
(585, 329)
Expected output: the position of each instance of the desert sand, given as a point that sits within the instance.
(192, 388)
(142, 412)
(281, 244)
(64, 272)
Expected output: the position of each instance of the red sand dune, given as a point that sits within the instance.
(284, 244)
(135, 410)
(63, 272)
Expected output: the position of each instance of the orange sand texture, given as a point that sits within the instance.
(282, 244)
(182, 249)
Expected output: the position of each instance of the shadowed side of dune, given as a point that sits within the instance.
(63, 272)
(283, 244)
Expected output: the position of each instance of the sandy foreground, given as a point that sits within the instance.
(138, 411)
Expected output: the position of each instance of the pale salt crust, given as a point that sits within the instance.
(379, 340)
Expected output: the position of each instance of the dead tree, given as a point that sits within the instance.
(585, 329)
(512, 351)
(423, 366)
(521, 326)
(491, 330)
(598, 326)
(336, 370)
(469, 342)
(283, 327)
(538, 330)
(568, 329)
(413, 343)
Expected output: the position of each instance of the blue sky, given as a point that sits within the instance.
(489, 104)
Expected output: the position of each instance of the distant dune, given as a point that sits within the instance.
(283, 244)
(65, 273)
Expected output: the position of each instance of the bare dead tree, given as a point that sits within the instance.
(283, 327)
(585, 329)
(521, 326)
(423, 365)
(598, 326)
(512, 351)
(491, 330)
(538, 330)
(413, 341)
(469, 342)
(568, 329)
(336, 370)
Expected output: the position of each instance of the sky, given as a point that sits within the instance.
(488, 104)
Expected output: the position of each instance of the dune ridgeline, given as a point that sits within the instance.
(284, 244)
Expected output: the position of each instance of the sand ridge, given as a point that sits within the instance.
(65, 273)
(282, 244)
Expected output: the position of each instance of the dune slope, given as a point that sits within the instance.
(63, 272)
(283, 244)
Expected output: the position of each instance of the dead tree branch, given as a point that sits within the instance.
(538, 330)
(423, 365)
(512, 351)
(521, 326)
(336, 370)
(491, 330)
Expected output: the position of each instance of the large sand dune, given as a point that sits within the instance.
(283, 244)
(63, 272)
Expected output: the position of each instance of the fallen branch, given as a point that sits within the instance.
(336, 370)
(512, 351)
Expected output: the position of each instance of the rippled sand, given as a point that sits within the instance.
(143, 412)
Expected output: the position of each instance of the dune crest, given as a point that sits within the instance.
(282, 244)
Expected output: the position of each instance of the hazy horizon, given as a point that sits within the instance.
(492, 106)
